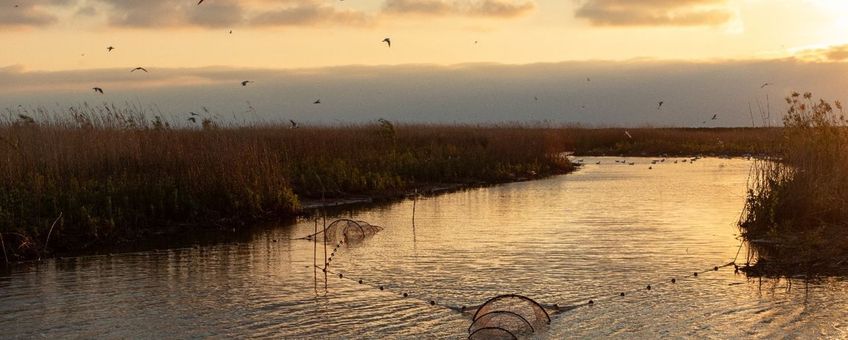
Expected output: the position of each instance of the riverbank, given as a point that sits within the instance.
(797, 207)
(117, 178)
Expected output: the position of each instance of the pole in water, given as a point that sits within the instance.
(315, 258)
(324, 232)
(414, 202)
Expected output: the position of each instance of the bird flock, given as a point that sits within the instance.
(388, 42)
(192, 115)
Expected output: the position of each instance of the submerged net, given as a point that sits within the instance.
(492, 333)
(346, 230)
(514, 322)
(517, 315)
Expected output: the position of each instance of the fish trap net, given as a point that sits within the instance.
(347, 231)
(508, 317)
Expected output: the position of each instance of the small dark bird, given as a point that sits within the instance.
(199, 2)
(231, 31)
(293, 124)
(26, 118)
(535, 98)
(109, 49)
(588, 79)
(193, 114)
(317, 101)
(660, 104)
(715, 116)
(192, 119)
(139, 69)
(244, 83)
(764, 85)
(97, 89)
(388, 42)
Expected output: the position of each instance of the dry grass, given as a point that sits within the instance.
(117, 176)
(797, 211)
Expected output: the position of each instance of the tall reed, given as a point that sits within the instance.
(796, 214)
(118, 176)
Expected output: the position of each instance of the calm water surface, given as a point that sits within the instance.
(589, 235)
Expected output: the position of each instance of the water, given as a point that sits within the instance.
(589, 235)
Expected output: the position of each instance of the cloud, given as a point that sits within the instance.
(835, 53)
(472, 8)
(34, 13)
(87, 11)
(309, 14)
(655, 12)
(180, 13)
(620, 93)
(171, 13)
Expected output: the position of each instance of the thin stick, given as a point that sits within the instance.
(414, 201)
(2, 242)
(315, 257)
(325, 252)
(51, 231)
(751, 113)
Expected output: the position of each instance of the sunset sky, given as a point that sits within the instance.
(57, 48)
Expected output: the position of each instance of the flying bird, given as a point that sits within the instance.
(293, 124)
(193, 114)
(317, 101)
(388, 42)
(97, 89)
(192, 119)
(109, 49)
(715, 116)
(244, 83)
(139, 69)
(660, 104)
(764, 85)
(535, 98)
(628, 134)
(199, 2)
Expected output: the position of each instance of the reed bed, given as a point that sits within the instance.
(796, 216)
(117, 176)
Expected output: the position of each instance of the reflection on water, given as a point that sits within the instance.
(589, 235)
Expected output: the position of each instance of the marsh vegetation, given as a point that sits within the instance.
(796, 216)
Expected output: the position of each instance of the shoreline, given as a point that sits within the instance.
(195, 235)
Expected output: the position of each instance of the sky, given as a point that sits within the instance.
(592, 62)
